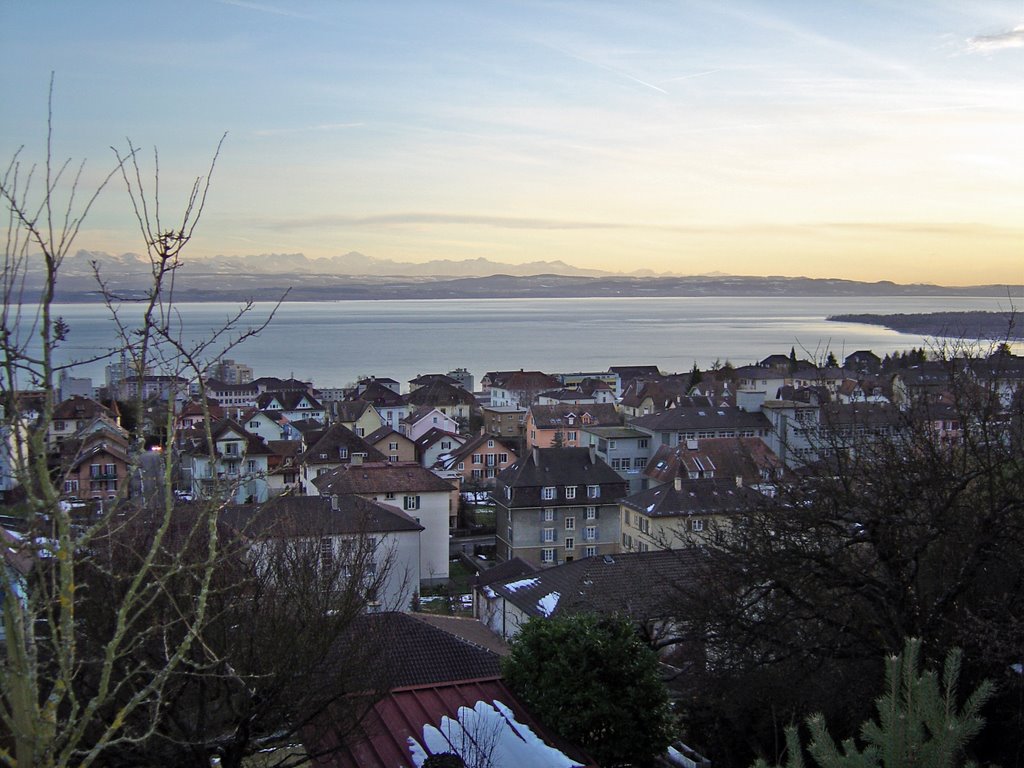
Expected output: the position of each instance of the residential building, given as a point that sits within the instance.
(518, 388)
(422, 420)
(556, 505)
(390, 405)
(681, 513)
(73, 415)
(625, 449)
(417, 491)
(478, 461)
(335, 447)
(393, 445)
(562, 425)
(504, 420)
(237, 470)
(361, 417)
(436, 444)
(294, 405)
(699, 418)
(231, 372)
(334, 528)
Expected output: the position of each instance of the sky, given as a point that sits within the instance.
(879, 140)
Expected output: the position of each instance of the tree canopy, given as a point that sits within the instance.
(595, 683)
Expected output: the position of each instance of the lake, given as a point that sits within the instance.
(331, 343)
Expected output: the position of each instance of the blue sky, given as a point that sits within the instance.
(867, 140)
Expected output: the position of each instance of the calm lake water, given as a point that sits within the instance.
(332, 343)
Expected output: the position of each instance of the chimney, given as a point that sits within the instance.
(335, 504)
(536, 456)
(679, 483)
(691, 445)
(357, 459)
(739, 481)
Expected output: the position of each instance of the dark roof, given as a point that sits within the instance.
(696, 417)
(380, 477)
(382, 433)
(77, 407)
(509, 569)
(299, 516)
(380, 396)
(635, 584)
(437, 393)
(350, 410)
(434, 435)
(558, 466)
(694, 497)
(289, 400)
(326, 449)
(468, 629)
(727, 457)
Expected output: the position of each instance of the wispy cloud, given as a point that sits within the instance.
(264, 8)
(1014, 38)
(613, 70)
(306, 129)
(404, 219)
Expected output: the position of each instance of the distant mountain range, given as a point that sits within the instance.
(355, 276)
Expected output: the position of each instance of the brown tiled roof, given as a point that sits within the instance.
(728, 457)
(301, 516)
(702, 418)
(380, 396)
(77, 407)
(382, 477)
(440, 393)
(468, 629)
(326, 449)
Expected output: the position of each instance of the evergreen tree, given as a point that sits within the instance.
(595, 683)
(918, 721)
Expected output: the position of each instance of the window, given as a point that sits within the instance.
(642, 443)
(548, 493)
(478, 458)
(645, 547)
(392, 446)
(71, 486)
(462, 465)
(590, 551)
(389, 495)
(502, 458)
(322, 471)
(570, 491)
(593, 491)
(412, 502)
(491, 459)
(490, 443)
(570, 523)
(326, 549)
(250, 466)
(342, 453)
(696, 525)
(570, 542)
(446, 445)
(510, 533)
(570, 437)
(549, 535)
(591, 513)
(477, 474)
(639, 463)
(590, 533)
(549, 515)
(547, 555)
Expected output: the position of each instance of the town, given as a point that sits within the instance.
(474, 510)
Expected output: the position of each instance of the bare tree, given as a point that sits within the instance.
(51, 718)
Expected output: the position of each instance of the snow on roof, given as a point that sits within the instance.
(521, 584)
(488, 732)
(548, 603)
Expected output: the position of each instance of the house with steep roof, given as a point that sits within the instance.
(284, 475)
(378, 536)
(263, 424)
(335, 447)
(436, 443)
(504, 420)
(562, 425)
(556, 505)
(389, 404)
(99, 464)
(73, 415)
(479, 460)
(448, 398)
(422, 420)
(746, 460)
(294, 405)
(359, 416)
(394, 445)
(518, 388)
(237, 470)
(431, 501)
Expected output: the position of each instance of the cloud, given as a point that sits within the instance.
(263, 8)
(987, 43)
(402, 219)
(306, 129)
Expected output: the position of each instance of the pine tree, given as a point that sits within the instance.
(918, 724)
